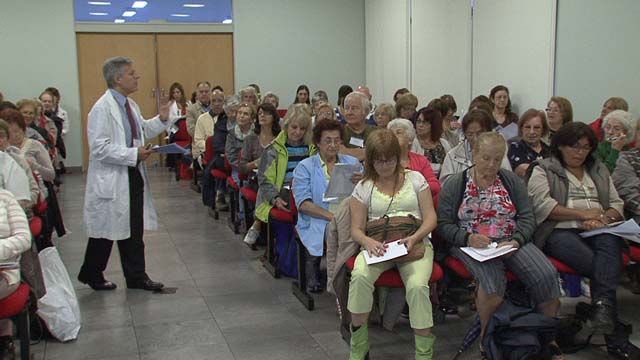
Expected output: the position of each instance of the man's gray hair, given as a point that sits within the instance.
(403, 124)
(113, 68)
(269, 95)
(366, 104)
(231, 101)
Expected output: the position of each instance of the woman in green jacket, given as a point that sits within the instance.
(619, 129)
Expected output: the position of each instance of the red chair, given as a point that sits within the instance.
(16, 308)
(282, 113)
(36, 225)
(183, 139)
(391, 277)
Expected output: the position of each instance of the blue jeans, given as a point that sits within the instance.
(598, 258)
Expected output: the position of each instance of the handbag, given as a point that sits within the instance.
(392, 228)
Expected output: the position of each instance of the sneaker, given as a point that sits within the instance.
(251, 237)
(623, 350)
(601, 320)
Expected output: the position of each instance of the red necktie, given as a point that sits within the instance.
(132, 121)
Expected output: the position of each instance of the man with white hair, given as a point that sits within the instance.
(356, 130)
(201, 106)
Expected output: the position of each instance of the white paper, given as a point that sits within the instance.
(626, 229)
(488, 253)
(356, 142)
(394, 250)
(340, 185)
(170, 149)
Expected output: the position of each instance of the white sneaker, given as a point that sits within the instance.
(251, 237)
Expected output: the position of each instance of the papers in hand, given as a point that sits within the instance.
(340, 185)
(170, 149)
(394, 250)
(628, 229)
(491, 252)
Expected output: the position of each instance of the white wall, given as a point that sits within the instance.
(387, 47)
(598, 54)
(280, 44)
(441, 50)
(513, 44)
(39, 50)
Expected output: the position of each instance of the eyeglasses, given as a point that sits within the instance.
(388, 162)
(422, 122)
(578, 147)
(334, 142)
(552, 110)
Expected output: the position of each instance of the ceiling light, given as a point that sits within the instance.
(180, 15)
(98, 14)
(139, 4)
(118, 21)
(193, 5)
(128, 13)
(227, 21)
(99, 3)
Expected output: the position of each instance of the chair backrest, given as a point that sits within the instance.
(209, 151)
(282, 113)
(183, 133)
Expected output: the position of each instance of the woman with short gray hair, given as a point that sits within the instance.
(619, 129)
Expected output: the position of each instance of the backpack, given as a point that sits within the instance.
(518, 333)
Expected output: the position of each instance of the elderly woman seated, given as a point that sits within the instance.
(406, 134)
(383, 114)
(532, 128)
(485, 205)
(619, 132)
(15, 238)
(429, 141)
(280, 158)
(572, 192)
(388, 191)
(460, 158)
(310, 180)
(235, 139)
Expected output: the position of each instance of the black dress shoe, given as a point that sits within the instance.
(147, 284)
(98, 285)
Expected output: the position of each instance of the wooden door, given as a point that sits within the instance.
(191, 58)
(93, 50)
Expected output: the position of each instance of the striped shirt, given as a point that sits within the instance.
(15, 236)
(296, 153)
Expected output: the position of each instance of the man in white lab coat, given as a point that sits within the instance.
(118, 204)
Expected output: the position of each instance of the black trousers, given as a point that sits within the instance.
(131, 250)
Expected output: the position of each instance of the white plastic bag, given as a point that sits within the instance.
(59, 308)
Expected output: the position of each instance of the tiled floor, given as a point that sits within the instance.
(226, 306)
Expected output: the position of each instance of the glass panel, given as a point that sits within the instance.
(150, 11)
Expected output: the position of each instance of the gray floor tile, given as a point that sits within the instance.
(170, 310)
(174, 334)
(302, 347)
(105, 343)
(261, 326)
(191, 352)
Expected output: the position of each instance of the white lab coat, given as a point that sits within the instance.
(106, 201)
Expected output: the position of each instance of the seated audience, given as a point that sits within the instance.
(559, 112)
(406, 106)
(450, 125)
(34, 152)
(626, 178)
(15, 238)
(248, 95)
(399, 93)
(388, 190)
(245, 116)
(302, 95)
(310, 180)
(179, 102)
(572, 192)
(205, 125)
(271, 98)
(324, 110)
(406, 134)
(343, 91)
(532, 128)
(221, 129)
(619, 133)
(200, 106)
(28, 109)
(460, 158)
(267, 126)
(502, 112)
(278, 160)
(371, 120)
(429, 140)
(357, 131)
(485, 205)
(318, 97)
(34, 187)
(613, 103)
(13, 179)
(384, 113)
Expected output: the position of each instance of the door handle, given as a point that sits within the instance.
(162, 92)
(153, 92)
